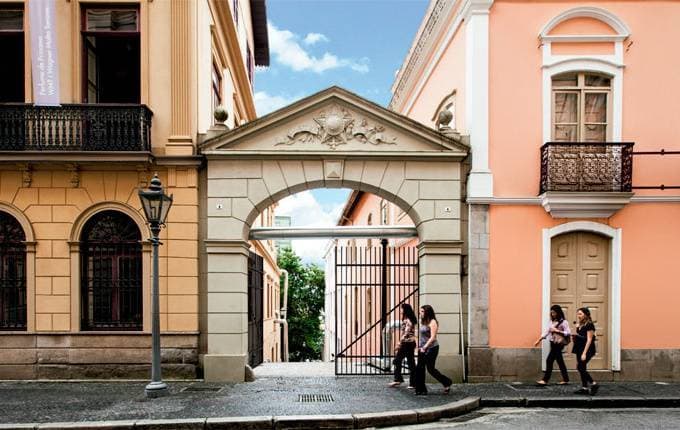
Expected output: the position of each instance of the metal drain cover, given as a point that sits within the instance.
(314, 398)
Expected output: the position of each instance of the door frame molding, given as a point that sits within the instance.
(615, 234)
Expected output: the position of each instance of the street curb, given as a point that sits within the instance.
(298, 422)
(586, 402)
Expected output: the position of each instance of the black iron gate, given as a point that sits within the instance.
(255, 328)
(371, 283)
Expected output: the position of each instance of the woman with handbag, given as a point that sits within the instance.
(407, 347)
(558, 334)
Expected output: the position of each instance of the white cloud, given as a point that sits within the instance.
(285, 48)
(265, 102)
(306, 211)
(313, 38)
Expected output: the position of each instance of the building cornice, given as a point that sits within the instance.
(68, 157)
(422, 50)
(536, 201)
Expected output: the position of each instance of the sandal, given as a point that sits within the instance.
(563, 383)
(541, 383)
(394, 384)
(447, 389)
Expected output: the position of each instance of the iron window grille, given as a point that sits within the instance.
(111, 273)
(12, 274)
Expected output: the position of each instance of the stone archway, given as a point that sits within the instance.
(333, 139)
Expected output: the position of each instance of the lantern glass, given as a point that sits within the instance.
(164, 207)
(156, 206)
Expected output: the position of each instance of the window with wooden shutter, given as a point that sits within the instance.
(580, 107)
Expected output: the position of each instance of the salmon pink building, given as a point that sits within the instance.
(571, 111)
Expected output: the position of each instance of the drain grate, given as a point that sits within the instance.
(314, 398)
(199, 388)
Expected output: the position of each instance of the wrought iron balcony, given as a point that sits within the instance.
(586, 167)
(75, 127)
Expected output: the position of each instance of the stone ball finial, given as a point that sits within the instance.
(444, 118)
(221, 114)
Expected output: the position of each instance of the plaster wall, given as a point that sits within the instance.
(649, 114)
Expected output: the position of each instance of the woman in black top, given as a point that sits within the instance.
(584, 349)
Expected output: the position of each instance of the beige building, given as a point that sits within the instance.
(137, 85)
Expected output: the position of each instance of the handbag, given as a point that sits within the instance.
(562, 339)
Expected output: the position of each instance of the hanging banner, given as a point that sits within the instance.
(44, 59)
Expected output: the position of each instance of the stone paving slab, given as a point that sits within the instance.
(110, 401)
(270, 402)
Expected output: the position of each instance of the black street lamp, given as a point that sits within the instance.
(156, 206)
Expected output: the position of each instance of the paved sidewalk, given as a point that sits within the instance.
(278, 395)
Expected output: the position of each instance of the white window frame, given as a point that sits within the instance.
(608, 64)
(581, 90)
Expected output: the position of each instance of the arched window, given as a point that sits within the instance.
(111, 273)
(12, 274)
(581, 107)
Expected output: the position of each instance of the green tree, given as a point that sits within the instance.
(305, 306)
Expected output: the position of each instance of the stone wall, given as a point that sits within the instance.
(524, 364)
(98, 356)
(52, 204)
(479, 356)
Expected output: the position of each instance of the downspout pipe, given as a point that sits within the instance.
(283, 312)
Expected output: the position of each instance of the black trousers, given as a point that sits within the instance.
(582, 367)
(555, 355)
(427, 360)
(406, 350)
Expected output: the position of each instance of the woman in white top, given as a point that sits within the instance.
(558, 334)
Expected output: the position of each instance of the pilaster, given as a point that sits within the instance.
(182, 55)
(480, 183)
(440, 287)
(227, 310)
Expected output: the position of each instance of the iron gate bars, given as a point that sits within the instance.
(255, 320)
(12, 274)
(371, 284)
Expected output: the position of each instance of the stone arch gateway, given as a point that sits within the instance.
(333, 139)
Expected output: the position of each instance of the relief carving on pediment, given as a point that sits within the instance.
(337, 127)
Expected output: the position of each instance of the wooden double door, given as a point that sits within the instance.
(580, 278)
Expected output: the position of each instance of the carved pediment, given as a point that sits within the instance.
(333, 121)
(335, 127)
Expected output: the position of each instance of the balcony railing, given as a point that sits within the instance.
(75, 127)
(583, 166)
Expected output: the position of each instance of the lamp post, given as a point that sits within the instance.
(156, 205)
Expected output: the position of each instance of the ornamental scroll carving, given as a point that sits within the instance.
(337, 127)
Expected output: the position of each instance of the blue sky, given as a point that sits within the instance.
(356, 44)
(314, 44)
